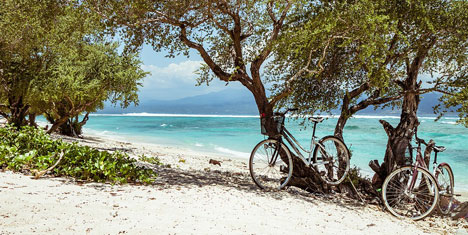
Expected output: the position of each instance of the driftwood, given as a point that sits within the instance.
(37, 174)
(461, 211)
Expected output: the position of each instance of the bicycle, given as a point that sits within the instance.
(271, 164)
(406, 195)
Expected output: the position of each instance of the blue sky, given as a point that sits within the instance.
(174, 78)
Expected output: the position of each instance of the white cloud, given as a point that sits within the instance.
(172, 75)
(175, 81)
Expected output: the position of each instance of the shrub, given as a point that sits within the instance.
(30, 148)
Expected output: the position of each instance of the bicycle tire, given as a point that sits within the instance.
(266, 175)
(335, 151)
(415, 204)
(446, 185)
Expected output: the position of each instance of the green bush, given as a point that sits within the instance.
(31, 148)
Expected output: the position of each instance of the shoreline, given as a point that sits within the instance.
(104, 138)
(191, 197)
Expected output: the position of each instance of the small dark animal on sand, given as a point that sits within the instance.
(215, 162)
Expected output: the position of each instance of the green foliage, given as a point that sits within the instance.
(31, 148)
(331, 48)
(91, 74)
(344, 44)
(230, 36)
(152, 160)
(55, 59)
(33, 32)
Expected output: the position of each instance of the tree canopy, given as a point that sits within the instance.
(55, 59)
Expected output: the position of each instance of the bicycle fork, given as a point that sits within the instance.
(276, 153)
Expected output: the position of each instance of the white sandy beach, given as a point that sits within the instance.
(191, 197)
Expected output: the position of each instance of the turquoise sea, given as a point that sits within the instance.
(235, 136)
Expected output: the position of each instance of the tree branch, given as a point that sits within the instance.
(305, 69)
(389, 129)
(277, 25)
(367, 102)
(217, 70)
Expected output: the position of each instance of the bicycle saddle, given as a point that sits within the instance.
(439, 148)
(316, 119)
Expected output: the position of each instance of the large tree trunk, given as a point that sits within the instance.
(56, 125)
(400, 137)
(73, 127)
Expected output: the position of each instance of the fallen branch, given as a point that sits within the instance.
(37, 174)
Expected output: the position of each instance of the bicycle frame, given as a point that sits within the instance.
(420, 163)
(294, 144)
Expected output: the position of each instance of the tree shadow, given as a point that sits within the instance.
(176, 177)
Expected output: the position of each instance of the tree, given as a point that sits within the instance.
(24, 29)
(86, 77)
(336, 60)
(340, 60)
(375, 55)
(54, 60)
(234, 38)
(33, 33)
(432, 38)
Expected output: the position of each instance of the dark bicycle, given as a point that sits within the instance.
(414, 192)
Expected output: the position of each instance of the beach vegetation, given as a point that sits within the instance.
(313, 55)
(152, 160)
(31, 150)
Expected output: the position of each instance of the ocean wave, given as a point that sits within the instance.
(172, 115)
(376, 117)
(451, 118)
(232, 152)
(451, 123)
(388, 117)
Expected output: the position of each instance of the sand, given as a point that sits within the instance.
(191, 197)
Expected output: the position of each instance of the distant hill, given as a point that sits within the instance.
(229, 101)
(428, 101)
(241, 102)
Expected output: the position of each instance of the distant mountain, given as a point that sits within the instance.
(426, 107)
(229, 101)
(241, 102)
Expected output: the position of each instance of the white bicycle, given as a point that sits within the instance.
(271, 164)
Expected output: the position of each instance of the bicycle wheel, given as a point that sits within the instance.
(444, 177)
(414, 202)
(331, 160)
(270, 165)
